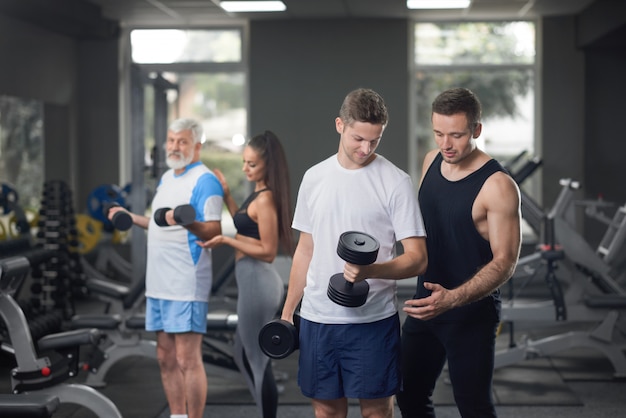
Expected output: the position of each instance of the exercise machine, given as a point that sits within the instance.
(592, 295)
(28, 405)
(45, 375)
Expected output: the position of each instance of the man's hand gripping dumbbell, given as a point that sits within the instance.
(180, 215)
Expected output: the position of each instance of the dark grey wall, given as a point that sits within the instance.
(300, 72)
(98, 123)
(59, 156)
(605, 141)
(37, 64)
(78, 83)
(583, 88)
(562, 78)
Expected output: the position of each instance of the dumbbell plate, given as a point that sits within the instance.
(345, 293)
(122, 221)
(159, 216)
(184, 214)
(358, 248)
(278, 338)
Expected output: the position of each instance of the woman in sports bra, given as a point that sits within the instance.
(263, 224)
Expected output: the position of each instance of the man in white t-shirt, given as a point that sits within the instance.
(345, 351)
(179, 272)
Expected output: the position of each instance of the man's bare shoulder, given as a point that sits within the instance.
(428, 160)
(430, 156)
(500, 187)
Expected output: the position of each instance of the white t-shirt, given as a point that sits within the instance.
(177, 267)
(378, 199)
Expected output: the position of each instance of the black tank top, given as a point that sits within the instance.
(456, 251)
(243, 223)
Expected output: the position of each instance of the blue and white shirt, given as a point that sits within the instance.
(177, 267)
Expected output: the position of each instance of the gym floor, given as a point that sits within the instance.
(576, 382)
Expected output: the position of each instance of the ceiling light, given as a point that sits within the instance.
(253, 6)
(437, 4)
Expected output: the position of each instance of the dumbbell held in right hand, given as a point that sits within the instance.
(279, 338)
(357, 248)
(183, 215)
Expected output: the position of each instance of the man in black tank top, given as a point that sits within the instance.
(471, 210)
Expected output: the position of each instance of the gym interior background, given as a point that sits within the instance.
(68, 54)
(72, 58)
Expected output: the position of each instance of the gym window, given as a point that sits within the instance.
(21, 161)
(496, 60)
(167, 46)
(206, 71)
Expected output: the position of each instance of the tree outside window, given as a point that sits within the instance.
(496, 60)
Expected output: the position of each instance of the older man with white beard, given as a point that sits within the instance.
(179, 273)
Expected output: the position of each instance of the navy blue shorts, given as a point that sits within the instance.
(359, 361)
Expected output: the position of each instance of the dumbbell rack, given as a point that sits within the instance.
(60, 279)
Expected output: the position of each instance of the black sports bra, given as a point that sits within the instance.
(243, 223)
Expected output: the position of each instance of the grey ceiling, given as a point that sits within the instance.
(102, 19)
(144, 13)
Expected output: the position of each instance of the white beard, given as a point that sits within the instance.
(178, 163)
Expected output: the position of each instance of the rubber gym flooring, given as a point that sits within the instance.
(576, 382)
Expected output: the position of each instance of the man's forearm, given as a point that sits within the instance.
(484, 282)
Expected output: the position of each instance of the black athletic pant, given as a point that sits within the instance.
(469, 349)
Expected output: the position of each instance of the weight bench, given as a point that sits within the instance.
(119, 298)
(120, 324)
(599, 338)
(611, 247)
(28, 405)
(600, 310)
(45, 375)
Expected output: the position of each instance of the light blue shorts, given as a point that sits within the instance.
(175, 316)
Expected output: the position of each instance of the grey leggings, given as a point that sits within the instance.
(260, 293)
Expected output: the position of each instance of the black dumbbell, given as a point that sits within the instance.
(279, 338)
(183, 215)
(355, 248)
(121, 220)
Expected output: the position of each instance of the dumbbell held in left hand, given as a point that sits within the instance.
(183, 215)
